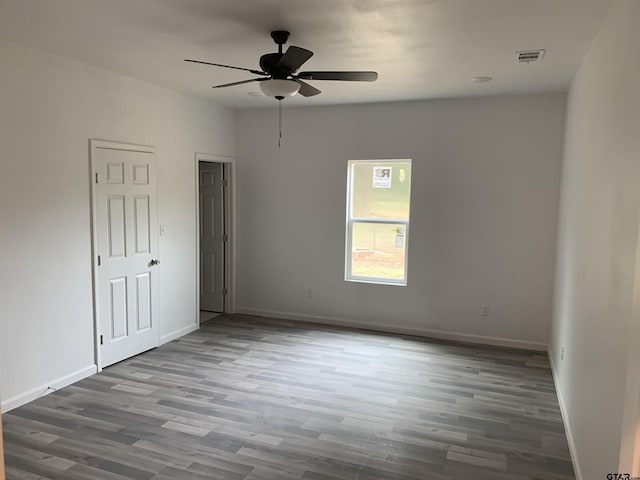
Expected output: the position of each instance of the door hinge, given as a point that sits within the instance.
(224, 183)
(96, 178)
(225, 238)
(99, 262)
(101, 340)
(224, 291)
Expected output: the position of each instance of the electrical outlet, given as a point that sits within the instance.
(484, 311)
(562, 353)
(309, 293)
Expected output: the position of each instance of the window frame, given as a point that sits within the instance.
(351, 220)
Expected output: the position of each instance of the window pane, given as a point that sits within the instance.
(378, 250)
(381, 190)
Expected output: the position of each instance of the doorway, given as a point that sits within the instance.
(214, 235)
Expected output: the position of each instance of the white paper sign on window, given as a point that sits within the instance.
(381, 177)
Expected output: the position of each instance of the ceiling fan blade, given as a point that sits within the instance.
(257, 72)
(307, 90)
(238, 83)
(345, 76)
(293, 58)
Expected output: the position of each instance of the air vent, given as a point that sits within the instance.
(529, 56)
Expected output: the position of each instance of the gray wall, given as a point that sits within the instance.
(50, 108)
(595, 316)
(486, 174)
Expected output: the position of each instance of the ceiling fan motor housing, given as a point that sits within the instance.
(269, 61)
(269, 64)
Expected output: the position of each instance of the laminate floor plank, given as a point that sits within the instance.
(248, 398)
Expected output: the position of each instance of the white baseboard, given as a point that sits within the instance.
(442, 335)
(26, 397)
(565, 419)
(178, 333)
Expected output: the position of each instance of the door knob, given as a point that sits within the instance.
(154, 261)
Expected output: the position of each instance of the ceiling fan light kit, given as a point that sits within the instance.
(279, 88)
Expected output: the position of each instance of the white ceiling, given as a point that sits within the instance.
(420, 48)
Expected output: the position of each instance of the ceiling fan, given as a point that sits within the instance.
(278, 76)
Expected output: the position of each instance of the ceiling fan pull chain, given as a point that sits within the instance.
(279, 121)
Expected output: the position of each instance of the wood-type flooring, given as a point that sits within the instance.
(248, 398)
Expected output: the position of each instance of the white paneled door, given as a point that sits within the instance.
(212, 236)
(126, 240)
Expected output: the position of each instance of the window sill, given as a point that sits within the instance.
(376, 281)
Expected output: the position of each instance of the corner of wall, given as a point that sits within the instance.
(565, 417)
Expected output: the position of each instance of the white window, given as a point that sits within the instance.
(378, 204)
